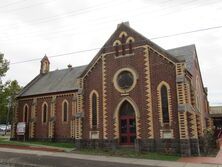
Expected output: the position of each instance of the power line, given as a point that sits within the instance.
(59, 16)
(30, 6)
(74, 13)
(71, 29)
(58, 55)
(187, 32)
(10, 4)
(93, 49)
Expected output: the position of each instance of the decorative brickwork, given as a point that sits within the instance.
(91, 108)
(78, 125)
(193, 126)
(33, 119)
(183, 125)
(116, 118)
(73, 120)
(104, 97)
(199, 126)
(148, 94)
(133, 93)
(51, 123)
(160, 104)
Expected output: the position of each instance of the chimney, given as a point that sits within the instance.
(45, 64)
(69, 66)
(125, 23)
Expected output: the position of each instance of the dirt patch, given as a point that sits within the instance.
(31, 148)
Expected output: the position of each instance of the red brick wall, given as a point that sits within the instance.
(162, 70)
(41, 130)
(21, 105)
(63, 129)
(93, 81)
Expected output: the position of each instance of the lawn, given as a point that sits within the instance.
(128, 153)
(5, 140)
(121, 152)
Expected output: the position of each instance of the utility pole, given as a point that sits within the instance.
(7, 119)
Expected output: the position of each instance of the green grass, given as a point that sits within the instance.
(129, 153)
(5, 140)
(53, 144)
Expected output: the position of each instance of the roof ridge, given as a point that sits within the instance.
(182, 47)
(67, 68)
(154, 44)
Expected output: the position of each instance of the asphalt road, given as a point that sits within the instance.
(48, 161)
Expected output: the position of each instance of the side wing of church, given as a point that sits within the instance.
(133, 93)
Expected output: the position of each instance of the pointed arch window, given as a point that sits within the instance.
(165, 104)
(26, 114)
(94, 109)
(65, 111)
(44, 113)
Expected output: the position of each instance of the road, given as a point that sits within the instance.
(57, 162)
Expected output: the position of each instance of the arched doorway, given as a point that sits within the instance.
(127, 124)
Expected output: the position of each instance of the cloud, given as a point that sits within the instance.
(56, 27)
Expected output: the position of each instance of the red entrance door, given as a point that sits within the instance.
(127, 124)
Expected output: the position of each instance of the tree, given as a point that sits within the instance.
(4, 66)
(10, 89)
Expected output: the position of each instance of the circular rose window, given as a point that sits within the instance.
(125, 80)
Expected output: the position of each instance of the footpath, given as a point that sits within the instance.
(206, 160)
(72, 156)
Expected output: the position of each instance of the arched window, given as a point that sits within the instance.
(126, 109)
(45, 113)
(116, 44)
(65, 111)
(94, 109)
(164, 102)
(26, 114)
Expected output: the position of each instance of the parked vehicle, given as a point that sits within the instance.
(3, 127)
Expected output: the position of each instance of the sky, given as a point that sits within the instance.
(31, 29)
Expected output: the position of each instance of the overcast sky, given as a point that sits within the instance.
(31, 29)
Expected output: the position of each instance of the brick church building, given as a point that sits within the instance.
(132, 94)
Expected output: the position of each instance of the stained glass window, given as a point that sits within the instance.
(126, 109)
(125, 79)
(94, 110)
(65, 111)
(45, 111)
(164, 101)
(26, 114)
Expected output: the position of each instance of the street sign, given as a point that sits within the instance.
(20, 130)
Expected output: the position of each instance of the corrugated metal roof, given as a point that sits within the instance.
(54, 81)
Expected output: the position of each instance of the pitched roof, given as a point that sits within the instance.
(54, 81)
(186, 53)
(125, 27)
